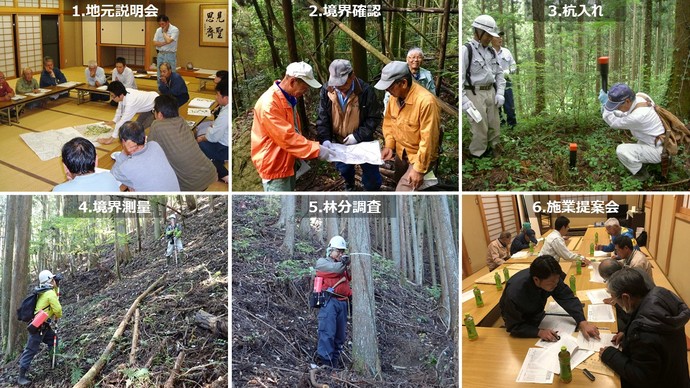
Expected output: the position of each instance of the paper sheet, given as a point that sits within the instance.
(48, 145)
(199, 112)
(601, 254)
(68, 84)
(555, 308)
(531, 371)
(597, 296)
(600, 313)
(594, 276)
(518, 267)
(520, 255)
(594, 365)
(468, 295)
(549, 358)
(563, 325)
(18, 97)
(103, 88)
(201, 103)
(365, 152)
(594, 344)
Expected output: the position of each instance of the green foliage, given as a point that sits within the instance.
(140, 377)
(76, 374)
(291, 269)
(304, 249)
(434, 291)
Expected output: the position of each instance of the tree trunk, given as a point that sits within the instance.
(359, 53)
(418, 259)
(294, 57)
(269, 36)
(10, 228)
(678, 93)
(647, 69)
(395, 235)
(16, 332)
(450, 255)
(157, 232)
(443, 43)
(365, 353)
(122, 252)
(289, 240)
(539, 55)
(430, 241)
(191, 202)
(217, 326)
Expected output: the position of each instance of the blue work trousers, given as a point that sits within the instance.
(332, 329)
(509, 106)
(33, 345)
(371, 177)
(218, 154)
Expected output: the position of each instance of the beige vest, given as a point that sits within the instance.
(347, 121)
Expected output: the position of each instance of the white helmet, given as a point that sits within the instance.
(45, 276)
(486, 23)
(338, 243)
(173, 216)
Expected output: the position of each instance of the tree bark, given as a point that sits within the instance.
(16, 336)
(135, 340)
(217, 326)
(269, 36)
(289, 240)
(539, 55)
(10, 228)
(395, 235)
(359, 53)
(175, 371)
(414, 234)
(365, 353)
(443, 43)
(294, 57)
(88, 379)
(678, 93)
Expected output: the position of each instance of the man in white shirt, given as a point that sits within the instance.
(165, 40)
(507, 62)
(213, 137)
(95, 76)
(554, 244)
(124, 74)
(130, 102)
(623, 109)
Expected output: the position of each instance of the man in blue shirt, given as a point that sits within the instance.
(51, 76)
(172, 83)
(614, 229)
(95, 76)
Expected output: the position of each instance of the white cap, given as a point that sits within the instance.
(337, 242)
(173, 216)
(486, 23)
(45, 276)
(304, 72)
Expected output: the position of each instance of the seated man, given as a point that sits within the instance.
(623, 109)
(630, 257)
(606, 269)
(497, 252)
(130, 102)
(554, 244)
(6, 92)
(522, 240)
(173, 83)
(524, 298)
(194, 171)
(27, 84)
(142, 166)
(51, 76)
(213, 137)
(80, 161)
(220, 75)
(614, 229)
(124, 74)
(653, 351)
(95, 76)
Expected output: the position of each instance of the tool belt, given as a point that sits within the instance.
(480, 87)
(38, 330)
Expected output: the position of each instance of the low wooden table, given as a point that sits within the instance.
(18, 105)
(83, 90)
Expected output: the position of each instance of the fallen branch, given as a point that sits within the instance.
(671, 184)
(215, 325)
(90, 375)
(135, 339)
(176, 370)
(312, 380)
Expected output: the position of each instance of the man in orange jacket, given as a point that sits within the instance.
(333, 315)
(277, 134)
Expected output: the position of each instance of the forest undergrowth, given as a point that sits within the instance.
(275, 331)
(535, 156)
(95, 302)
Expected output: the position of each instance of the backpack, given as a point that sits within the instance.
(676, 133)
(25, 312)
(469, 65)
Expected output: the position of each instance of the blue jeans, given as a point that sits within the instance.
(332, 329)
(34, 344)
(218, 154)
(171, 58)
(509, 106)
(371, 177)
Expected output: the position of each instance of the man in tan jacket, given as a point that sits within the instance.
(498, 251)
(630, 257)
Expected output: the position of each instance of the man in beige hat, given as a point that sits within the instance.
(410, 126)
(277, 134)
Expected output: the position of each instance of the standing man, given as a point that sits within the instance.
(505, 59)
(411, 126)
(165, 39)
(497, 252)
(614, 229)
(554, 244)
(95, 76)
(173, 232)
(130, 102)
(349, 114)
(172, 83)
(333, 315)
(623, 109)
(524, 298)
(214, 141)
(277, 140)
(483, 87)
(51, 76)
(47, 301)
(653, 351)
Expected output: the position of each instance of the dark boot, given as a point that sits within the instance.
(22, 380)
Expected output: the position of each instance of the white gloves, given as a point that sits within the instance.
(499, 100)
(467, 105)
(327, 144)
(324, 153)
(350, 140)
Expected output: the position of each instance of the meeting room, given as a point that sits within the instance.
(114, 96)
(588, 290)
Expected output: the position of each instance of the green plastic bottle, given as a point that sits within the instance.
(506, 274)
(591, 249)
(596, 238)
(572, 283)
(531, 248)
(578, 266)
(564, 361)
(499, 285)
(478, 297)
(472, 330)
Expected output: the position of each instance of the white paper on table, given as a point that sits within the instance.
(103, 88)
(555, 308)
(578, 357)
(600, 313)
(597, 296)
(562, 325)
(141, 75)
(531, 371)
(468, 295)
(36, 94)
(594, 276)
(199, 112)
(601, 254)
(68, 84)
(594, 344)
(18, 97)
(549, 358)
(365, 152)
(520, 255)
(518, 267)
(201, 103)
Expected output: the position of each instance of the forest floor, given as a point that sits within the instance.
(94, 303)
(275, 332)
(535, 157)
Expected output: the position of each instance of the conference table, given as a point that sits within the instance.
(18, 104)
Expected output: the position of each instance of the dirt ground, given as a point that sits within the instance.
(275, 332)
(94, 304)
